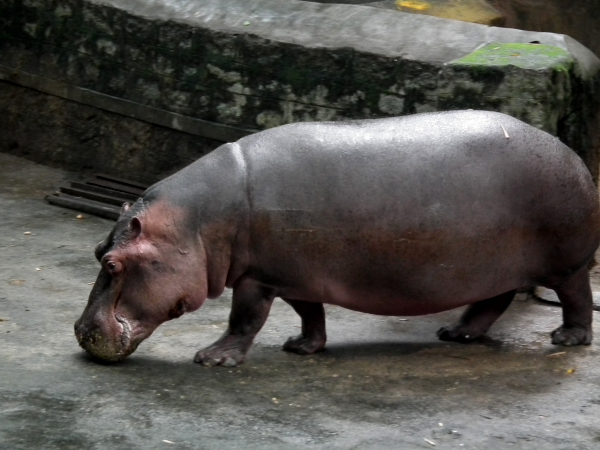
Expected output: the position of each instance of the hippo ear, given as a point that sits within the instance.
(125, 207)
(135, 226)
(101, 248)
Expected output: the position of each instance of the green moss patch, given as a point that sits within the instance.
(525, 56)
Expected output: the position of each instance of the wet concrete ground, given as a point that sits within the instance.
(382, 383)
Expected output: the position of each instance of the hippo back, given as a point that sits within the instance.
(467, 200)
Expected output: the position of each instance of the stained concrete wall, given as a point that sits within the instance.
(220, 70)
(53, 130)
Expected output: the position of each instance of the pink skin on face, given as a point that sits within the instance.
(148, 277)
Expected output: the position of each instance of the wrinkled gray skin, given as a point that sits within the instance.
(400, 216)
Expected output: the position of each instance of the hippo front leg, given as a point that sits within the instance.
(249, 310)
(313, 336)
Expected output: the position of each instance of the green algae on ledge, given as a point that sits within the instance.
(525, 56)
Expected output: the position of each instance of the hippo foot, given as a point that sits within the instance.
(458, 334)
(571, 336)
(303, 345)
(219, 356)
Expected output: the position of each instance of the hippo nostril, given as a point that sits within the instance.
(85, 336)
(79, 332)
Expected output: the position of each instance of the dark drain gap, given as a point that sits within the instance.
(101, 195)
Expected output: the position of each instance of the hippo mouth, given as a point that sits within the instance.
(125, 334)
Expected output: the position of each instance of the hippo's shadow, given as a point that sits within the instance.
(375, 369)
(269, 355)
(386, 349)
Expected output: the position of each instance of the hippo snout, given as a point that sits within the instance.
(109, 342)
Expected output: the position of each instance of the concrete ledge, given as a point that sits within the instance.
(222, 70)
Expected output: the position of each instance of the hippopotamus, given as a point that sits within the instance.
(398, 216)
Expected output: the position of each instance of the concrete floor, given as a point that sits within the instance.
(382, 383)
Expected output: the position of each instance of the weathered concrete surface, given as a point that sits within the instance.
(264, 63)
(382, 383)
(580, 19)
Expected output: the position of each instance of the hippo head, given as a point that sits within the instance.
(153, 270)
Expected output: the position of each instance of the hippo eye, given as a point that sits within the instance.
(113, 267)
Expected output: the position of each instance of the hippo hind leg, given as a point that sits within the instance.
(313, 336)
(477, 319)
(575, 297)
